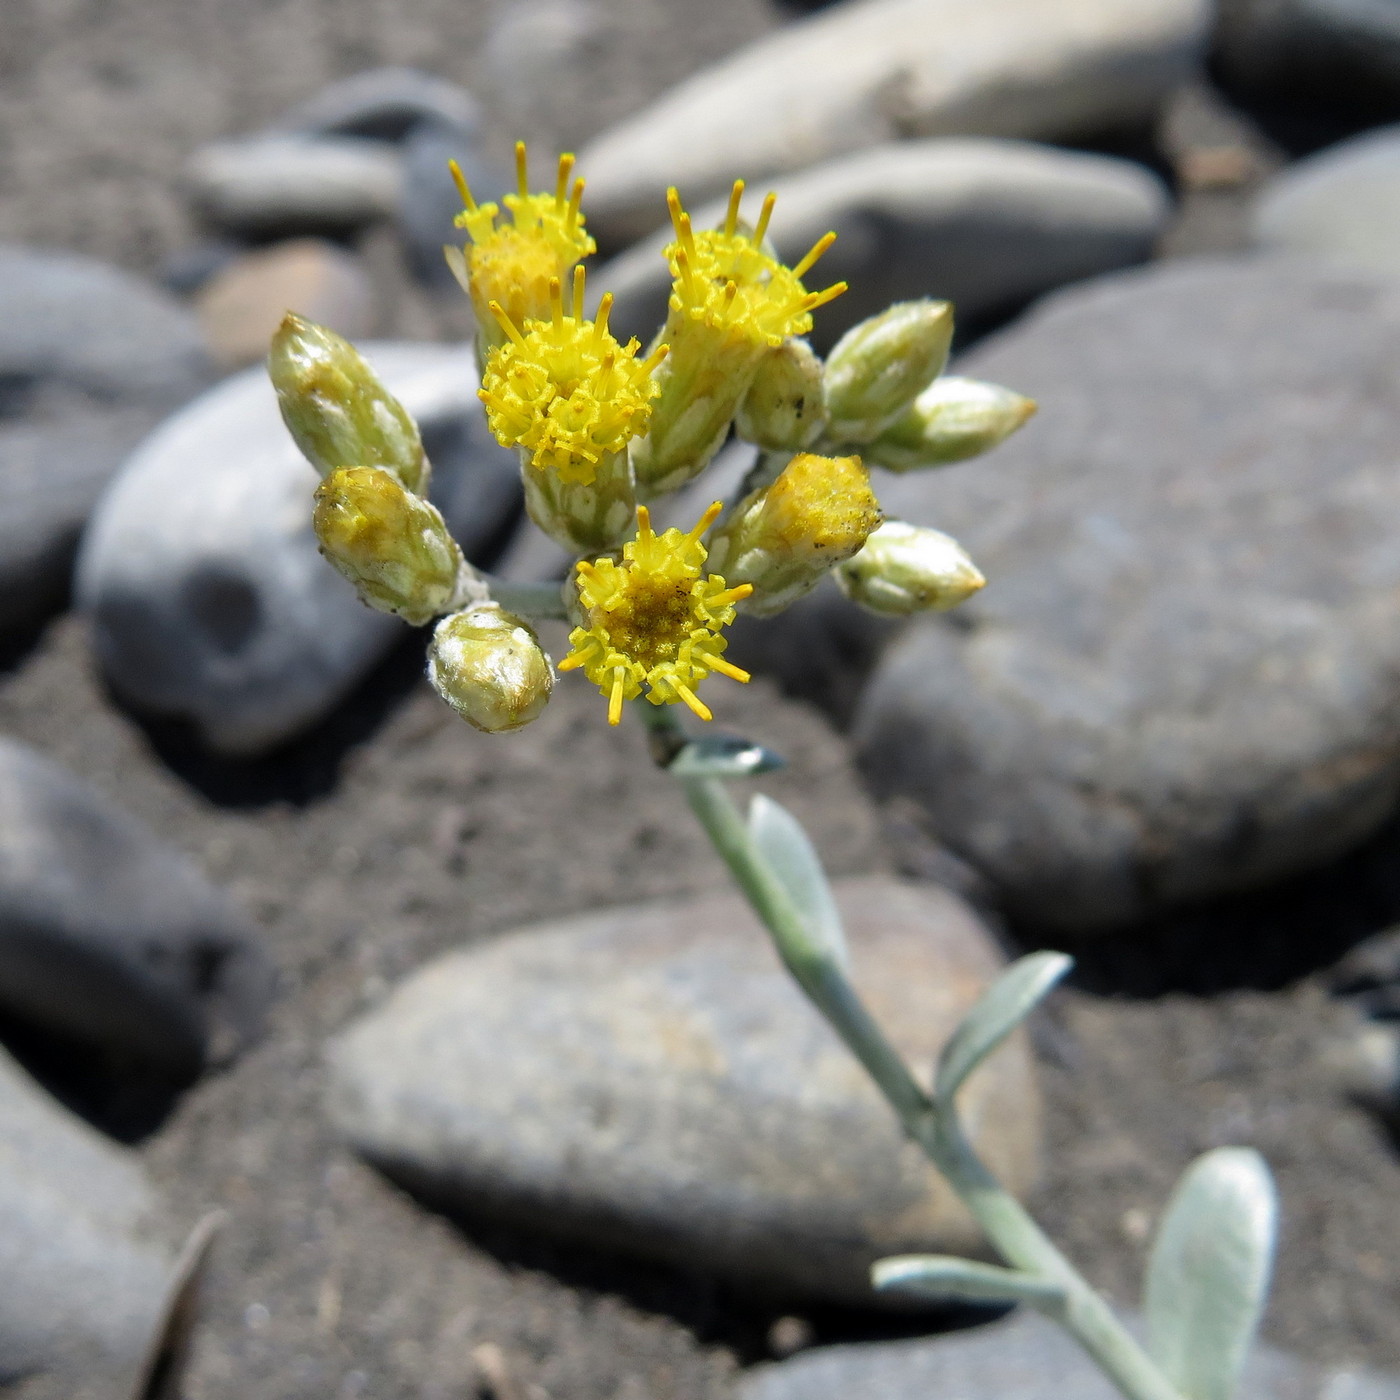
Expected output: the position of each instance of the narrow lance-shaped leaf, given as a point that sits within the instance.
(999, 1010)
(723, 756)
(1209, 1272)
(963, 1280)
(789, 853)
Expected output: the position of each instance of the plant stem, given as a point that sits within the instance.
(1007, 1224)
(528, 599)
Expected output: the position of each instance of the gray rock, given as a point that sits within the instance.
(90, 358)
(1022, 1357)
(859, 75)
(1181, 678)
(986, 224)
(1342, 54)
(649, 1078)
(80, 1240)
(208, 597)
(281, 186)
(112, 937)
(1342, 205)
(383, 104)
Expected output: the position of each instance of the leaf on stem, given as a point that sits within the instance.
(724, 756)
(790, 855)
(1209, 1272)
(963, 1280)
(999, 1010)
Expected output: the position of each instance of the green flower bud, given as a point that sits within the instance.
(785, 407)
(489, 666)
(903, 569)
(584, 517)
(392, 545)
(952, 420)
(336, 408)
(879, 367)
(783, 538)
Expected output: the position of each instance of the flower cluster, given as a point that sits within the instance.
(602, 430)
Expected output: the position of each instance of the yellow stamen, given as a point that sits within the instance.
(727, 668)
(506, 324)
(615, 698)
(769, 200)
(521, 176)
(578, 293)
(814, 252)
(699, 707)
(463, 189)
(731, 219)
(561, 188)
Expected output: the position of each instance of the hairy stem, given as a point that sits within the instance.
(1007, 1224)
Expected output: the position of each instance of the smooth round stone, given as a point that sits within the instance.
(986, 224)
(113, 938)
(856, 76)
(208, 596)
(1183, 677)
(382, 104)
(81, 1240)
(1342, 205)
(281, 186)
(650, 1079)
(1023, 1357)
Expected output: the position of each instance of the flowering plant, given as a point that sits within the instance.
(603, 432)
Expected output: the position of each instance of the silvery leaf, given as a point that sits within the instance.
(999, 1010)
(724, 756)
(1208, 1275)
(962, 1280)
(785, 846)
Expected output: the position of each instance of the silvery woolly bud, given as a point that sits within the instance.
(785, 406)
(392, 545)
(489, 666)
(879, 367)
(952, 420)
(903, 569)
(336, 408)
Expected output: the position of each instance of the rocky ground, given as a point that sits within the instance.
(391, 834)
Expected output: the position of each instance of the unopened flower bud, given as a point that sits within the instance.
(392, 545)
(903, 569)
(489, 666)
(584, 517)
(879, 367)
(952, 420)
(336, 408)
(783, 537)
(785, 407)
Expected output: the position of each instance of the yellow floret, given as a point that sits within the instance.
(726, 281)
(653, 620)
(563, 388)
(514, 263)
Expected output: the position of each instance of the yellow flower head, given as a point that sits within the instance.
(564, 389)
(514, 263)
(653, 619)
(724, 280)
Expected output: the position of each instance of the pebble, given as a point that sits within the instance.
(1342, 205)
(274, 186)
(1181, 679)
(1021, 1357)
(79, 1232)
(382, 104)
(856, 76)
(650, 1079)
(1341, 55)
(90, 358)
(113, 938)
(986, 224)
(243, 303)
(208, 598)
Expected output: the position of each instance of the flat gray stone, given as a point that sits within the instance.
(110, 936)
(90, 358)
(81, 1240)
(1342, 205)
(1181, 678)
(650, 1079)
(281, 186)
(859, 75)
(1022, 1357)
(382, 104)
(986, 224)
(208, 598)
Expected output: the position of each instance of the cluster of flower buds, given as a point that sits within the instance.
(603, 429)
